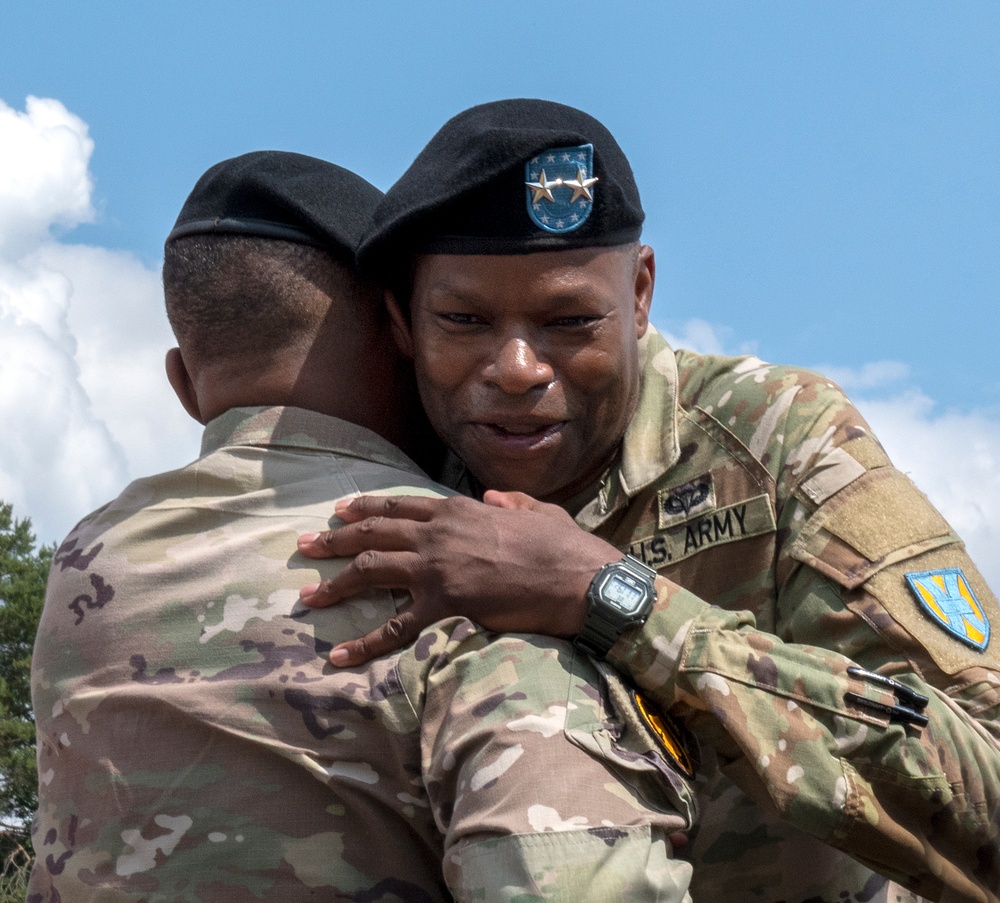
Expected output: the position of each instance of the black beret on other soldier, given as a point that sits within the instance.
(281, 195)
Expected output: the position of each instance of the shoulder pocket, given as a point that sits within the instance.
(879, 519)
(882, 532)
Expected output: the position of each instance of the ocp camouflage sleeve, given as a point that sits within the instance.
(194, 744)
(545, 781)
(799, 569)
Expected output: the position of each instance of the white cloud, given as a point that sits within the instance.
(83, 400)
(117, 316)
(875, 375)
(698, 335)
(707, 338)
(44, 178)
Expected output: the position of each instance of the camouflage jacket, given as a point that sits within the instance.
(195, 745)
(794, 552)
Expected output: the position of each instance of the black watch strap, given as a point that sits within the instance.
(597, 636)
(601, 629)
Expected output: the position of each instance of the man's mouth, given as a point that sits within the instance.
(520, 436)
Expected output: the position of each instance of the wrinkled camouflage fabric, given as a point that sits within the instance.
(785, 532)
(194, 744)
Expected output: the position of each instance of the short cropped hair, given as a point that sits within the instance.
(236, 296)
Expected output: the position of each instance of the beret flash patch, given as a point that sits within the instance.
(559, 187)
(946, 596)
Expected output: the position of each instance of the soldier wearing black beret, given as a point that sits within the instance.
(797, 607)
(257, 234)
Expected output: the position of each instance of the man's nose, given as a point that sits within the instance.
(518, 368)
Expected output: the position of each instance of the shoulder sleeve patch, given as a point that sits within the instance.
(879, 519)
(626, 743)
(946, 596)
(942, 602)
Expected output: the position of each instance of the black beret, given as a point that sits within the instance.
(277, 194)
(508, 177)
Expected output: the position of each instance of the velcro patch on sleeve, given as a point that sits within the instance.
(836, 470)
(879, 519)
(867, 451)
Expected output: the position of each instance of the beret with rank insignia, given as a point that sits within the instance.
(508, 177)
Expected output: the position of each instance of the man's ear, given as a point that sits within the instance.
(401, 330)
(182, 384)
(645, 278)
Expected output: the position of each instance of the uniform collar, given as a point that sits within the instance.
(651, 445)
(288, 427)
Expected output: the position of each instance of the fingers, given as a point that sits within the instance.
(373, 522)
(411, 507)
(394, 634)
(497, 499)
(377, 532)
(522, 502)
(378, 570)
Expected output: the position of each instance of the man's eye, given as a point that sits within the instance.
(460, 319)
(579, 322)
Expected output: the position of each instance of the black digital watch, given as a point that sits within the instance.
(620, 597)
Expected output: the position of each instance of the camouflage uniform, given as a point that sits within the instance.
(194, 744)
(787, 535)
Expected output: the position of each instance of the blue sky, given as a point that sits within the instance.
(821, 180)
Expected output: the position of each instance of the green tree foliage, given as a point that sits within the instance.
(23, 572)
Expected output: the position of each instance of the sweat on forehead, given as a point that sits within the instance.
(508, 177)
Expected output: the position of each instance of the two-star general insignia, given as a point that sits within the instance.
(946, 596)
(559, 187)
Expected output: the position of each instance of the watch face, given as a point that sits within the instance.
(623, 593)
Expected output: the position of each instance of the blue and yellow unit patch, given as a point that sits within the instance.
(946, 596)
